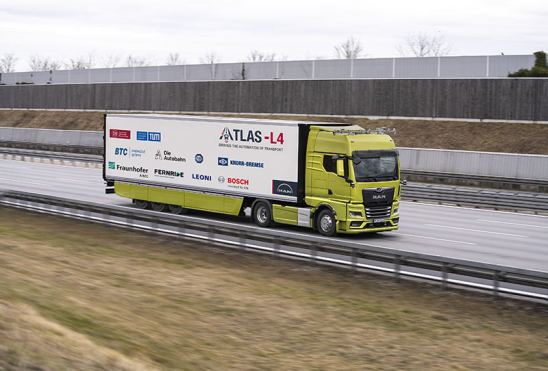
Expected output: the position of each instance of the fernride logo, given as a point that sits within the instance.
(169, 173)
(120, 134)
(149, 136)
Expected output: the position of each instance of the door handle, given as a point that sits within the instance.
(329, 192)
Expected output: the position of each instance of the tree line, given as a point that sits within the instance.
(419, 45)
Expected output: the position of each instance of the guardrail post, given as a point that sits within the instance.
(496, 283)
(211, 234)
(354, 259)
(181, 228)
(397, 266)
(242, 238)
(277, 246)
(313, 252)
(444, 276)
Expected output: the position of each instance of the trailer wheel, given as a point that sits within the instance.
(141, 204)
(326, 223)
(176, 209)
(262, 214)
(156, 206)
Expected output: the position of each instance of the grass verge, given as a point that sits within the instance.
(77, 295)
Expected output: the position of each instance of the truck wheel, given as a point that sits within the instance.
(141, 204)
(262, 216)
(176, 209)
(156, 206)
(326, 223)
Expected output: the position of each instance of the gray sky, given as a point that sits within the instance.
(291, 29)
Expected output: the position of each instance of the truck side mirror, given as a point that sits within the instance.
(340, 167)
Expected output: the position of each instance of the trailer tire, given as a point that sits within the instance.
(176, 209)
(262, 214)
(326, 223)
(156, 206)
(142, 204)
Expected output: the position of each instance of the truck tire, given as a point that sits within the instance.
(156, 206)
(262, 214)
(176, 209)
(141, 204)
(326, 223)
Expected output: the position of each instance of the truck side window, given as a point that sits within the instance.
(329, 164)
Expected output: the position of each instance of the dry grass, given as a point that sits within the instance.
(473, 136)
(81, 296)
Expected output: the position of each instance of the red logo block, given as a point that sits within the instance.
(120, 134)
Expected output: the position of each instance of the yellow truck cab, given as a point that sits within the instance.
(334, 178)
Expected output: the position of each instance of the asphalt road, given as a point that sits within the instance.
(506, 238)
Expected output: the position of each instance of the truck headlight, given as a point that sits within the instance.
(396, 210)
(355, 214)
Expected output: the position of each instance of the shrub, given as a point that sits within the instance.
(539, 70)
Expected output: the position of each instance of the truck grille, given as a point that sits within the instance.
(378, 212)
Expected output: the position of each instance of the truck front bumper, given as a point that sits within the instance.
(356, 222)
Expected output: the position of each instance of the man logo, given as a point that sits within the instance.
(379, 189)
(284, 188)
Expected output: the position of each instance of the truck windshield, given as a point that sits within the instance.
(375, 166)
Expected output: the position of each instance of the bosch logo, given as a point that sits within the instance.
(221, 179)
(238, 181)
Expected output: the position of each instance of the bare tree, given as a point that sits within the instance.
(210, 58)
(258, 56)
(424, 45)
(174, 59)
(37, 63)
(111, 61)
(349, 49)
(80, 63)
(7, 63)
(136, 61)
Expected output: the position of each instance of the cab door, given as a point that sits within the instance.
(337, 187)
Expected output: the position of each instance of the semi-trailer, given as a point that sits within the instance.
(335, 178)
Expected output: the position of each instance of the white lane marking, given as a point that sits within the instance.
(473, 209)
(437, 239)
(521, 225)
(475, 230)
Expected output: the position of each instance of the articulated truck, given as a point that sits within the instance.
(334, 178)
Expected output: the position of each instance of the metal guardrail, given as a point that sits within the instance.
(304, 246)
(477, 197)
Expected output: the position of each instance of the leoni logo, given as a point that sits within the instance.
(206, 178)
(120, 134)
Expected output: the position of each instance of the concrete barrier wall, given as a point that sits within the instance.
(506, 165)
(494, 99)
(77, 138)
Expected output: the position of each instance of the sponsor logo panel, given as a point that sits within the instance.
(285, 188)
(202, 177)
(120, 134)
(149, 136)
(169, 173)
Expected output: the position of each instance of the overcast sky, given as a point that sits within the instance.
(292, 29)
